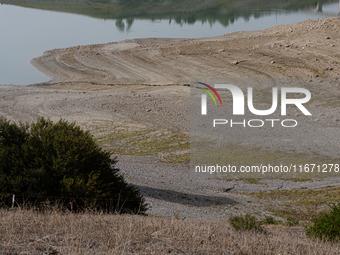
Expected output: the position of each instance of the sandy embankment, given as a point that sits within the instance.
(141, 85)
(294, 48)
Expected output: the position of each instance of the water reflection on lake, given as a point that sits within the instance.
(26, 32)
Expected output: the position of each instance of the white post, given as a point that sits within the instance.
(13, 200)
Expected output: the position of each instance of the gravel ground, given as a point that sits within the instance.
(171, 191)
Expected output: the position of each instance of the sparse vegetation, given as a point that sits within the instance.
(269, 220)
(146, 142)
(246, 222)
(60, 163)
(291, 222)
(183, 158)
(296, 179)
(298, 204)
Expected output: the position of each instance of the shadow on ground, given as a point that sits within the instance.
(184, 198)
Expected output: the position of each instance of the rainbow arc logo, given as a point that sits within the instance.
(204, 97)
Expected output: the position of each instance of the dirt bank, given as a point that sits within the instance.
(307, 49)
(133, 96)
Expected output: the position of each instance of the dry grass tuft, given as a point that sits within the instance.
(54, 232)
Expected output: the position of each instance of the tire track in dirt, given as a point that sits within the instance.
(283, 51)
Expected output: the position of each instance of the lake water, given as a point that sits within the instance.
(26, 33)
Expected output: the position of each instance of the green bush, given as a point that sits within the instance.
(269, 220)
(246, 222)
(52, 162)
(327, 225)
(291, 222)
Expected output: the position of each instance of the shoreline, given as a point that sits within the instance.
(281, 51)
(129, 92)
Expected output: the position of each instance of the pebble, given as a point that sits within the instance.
(148, 110)
(235, 62)
(272, 62)
(221, 50)
(327, 37)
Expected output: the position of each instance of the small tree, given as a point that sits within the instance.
(47, 161)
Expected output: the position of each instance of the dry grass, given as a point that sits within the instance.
(142, 142)
(54, 232)
(298, 204)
